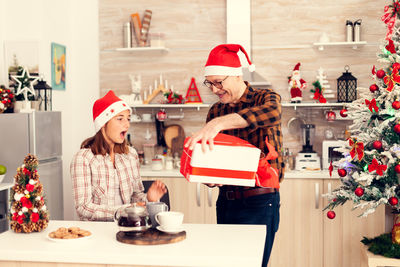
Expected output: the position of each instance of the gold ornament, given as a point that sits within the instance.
(27, 196)
(396, 230)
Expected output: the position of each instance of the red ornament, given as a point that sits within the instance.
(161, 115)
(393, 201)
(20, 219)
(380, 74)
(342, 172)
(34, 217)
(377, 145)
(343, 113)
(331, 214)
(359, 191)
(373, 88)
(396, 105)
(14, 216)
(30, 187)
(330, 115)
(397, 128)
(397, 168)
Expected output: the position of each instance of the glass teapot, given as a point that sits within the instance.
(132, 218)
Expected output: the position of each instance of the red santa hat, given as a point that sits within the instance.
(105, 108)
(224, 60)
(297, 67)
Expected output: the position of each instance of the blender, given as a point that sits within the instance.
(307, 158)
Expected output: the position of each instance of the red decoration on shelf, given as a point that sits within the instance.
(330, 169)
(396, 105)
(342, 172)
(377, 144)
(343, 113)
(373, 88)
(393, 201)
(161, 115)
(396, 128)
(330, 115)
(397, 168)
(331, 214)
(359, 191)
(193, 95)
(380, 74)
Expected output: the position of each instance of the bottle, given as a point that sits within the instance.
(291, 161)
(349, 31)
(357, 30)
(127, 35)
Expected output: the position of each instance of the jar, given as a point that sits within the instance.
(357, 30)
(169, 164)
(349, 31)
(149, 152)
(156, 164)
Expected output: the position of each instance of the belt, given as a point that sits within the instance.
(234, 193)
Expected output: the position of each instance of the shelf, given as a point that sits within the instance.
(198, 106)
(312, 105)
(139, 49)
(352, 44)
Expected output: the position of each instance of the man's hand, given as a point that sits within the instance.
(156, 191)
(206, 134)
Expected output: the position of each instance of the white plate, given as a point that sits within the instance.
(59, 240)
(170, 231)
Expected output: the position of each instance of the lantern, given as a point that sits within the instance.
(346, 87)
(43, 94)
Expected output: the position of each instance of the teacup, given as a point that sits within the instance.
(169, 220)
(154, 208)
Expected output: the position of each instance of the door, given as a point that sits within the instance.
(50, 173)
(299, 240)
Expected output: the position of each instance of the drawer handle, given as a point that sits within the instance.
(329, 188)
(317, 195)
(198, 194)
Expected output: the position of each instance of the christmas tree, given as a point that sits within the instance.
(370, 169)
(28, 212)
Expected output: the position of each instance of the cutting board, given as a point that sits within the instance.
(174, 137)
(150, 237)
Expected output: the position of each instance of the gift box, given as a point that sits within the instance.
(233, 161)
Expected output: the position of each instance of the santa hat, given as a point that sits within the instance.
(224, 60)
(296, 67)
(105, 108)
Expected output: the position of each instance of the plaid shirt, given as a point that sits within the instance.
(261, 108)
(93, 178)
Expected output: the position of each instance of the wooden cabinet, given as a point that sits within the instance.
(306, 237)
(191, 199)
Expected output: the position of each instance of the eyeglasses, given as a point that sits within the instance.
(216, 84)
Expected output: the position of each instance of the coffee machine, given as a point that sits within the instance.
(307, 158)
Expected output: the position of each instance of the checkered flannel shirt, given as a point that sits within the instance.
(261, 108)
(93, 177)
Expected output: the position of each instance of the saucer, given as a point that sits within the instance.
(170, 231)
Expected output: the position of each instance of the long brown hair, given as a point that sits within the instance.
(98, 145)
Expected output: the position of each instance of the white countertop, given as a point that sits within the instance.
(145, 171)
(5, 186)
(205, 245)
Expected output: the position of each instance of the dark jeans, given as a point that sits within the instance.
(261, 209)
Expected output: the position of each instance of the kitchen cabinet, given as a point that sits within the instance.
(306, 237)
(195, 200)
(4, 205)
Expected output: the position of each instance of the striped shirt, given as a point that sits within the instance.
(261, 108)
(96, 183)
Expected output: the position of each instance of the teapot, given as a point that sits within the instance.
(132, 218)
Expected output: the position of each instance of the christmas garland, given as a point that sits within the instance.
(383, 245)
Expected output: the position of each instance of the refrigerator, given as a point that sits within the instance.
(37, 133)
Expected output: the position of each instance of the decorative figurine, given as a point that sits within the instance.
(296, 84)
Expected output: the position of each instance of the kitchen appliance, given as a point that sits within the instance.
(328, 152)
(132, 219)
(37, 133)
(307, 158)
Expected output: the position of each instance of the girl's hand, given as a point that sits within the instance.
(156, 191)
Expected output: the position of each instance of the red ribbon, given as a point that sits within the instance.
(390, 47)
(357, 149)
(373, 70)
(390, 80)
(389, 18)
(330, 169)
(372, 105)
(376, 166)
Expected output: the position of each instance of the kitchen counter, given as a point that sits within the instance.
(205, 245)
(5, 186)
(145, 171)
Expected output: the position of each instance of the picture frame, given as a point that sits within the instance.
(58, 66)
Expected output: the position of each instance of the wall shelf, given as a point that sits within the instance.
(355, 45)
(198, 106)
(138, 49)
(313, 105)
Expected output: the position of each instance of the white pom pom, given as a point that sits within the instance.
(17, 197)
(44, 207)
(252, 68)
(32, 182)
(24, 209)
(26, 192)
(35, 210)
(38, 198)
(20, 213)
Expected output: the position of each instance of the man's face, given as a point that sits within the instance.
(225, 87)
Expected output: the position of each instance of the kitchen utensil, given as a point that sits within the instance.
(151, 237)
(154, 208)
(132, 218)
(169, 220)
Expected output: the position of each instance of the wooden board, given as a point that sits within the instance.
(170, 132)
(150, 237)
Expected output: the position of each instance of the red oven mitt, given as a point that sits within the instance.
(266, 175)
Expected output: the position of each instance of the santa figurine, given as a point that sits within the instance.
(296, 85)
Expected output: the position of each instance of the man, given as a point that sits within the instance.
(250, 114)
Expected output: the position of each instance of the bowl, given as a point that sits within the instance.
(2, 177)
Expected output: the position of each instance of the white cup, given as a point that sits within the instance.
(169, 220)
(146, 117)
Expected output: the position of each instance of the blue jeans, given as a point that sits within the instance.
(261, 209)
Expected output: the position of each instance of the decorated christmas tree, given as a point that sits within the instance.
(28, 212)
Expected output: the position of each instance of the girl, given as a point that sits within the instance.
(105, 171)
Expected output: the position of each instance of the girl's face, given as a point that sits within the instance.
(116, 129)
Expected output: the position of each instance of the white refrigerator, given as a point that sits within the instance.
(38, 133)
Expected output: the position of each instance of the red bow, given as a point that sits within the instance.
(372, 105)
(390, 47)
(390, 18)
(357, 148)
(318, 96)
(330, 169)
(376, 166)
(390, 80)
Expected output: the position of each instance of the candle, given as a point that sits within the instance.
(145, 94)
(155, 84)
(166, 84)
(172, 88)
(150, 90)
(160, 79)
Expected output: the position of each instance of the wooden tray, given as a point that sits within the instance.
(150, 237)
